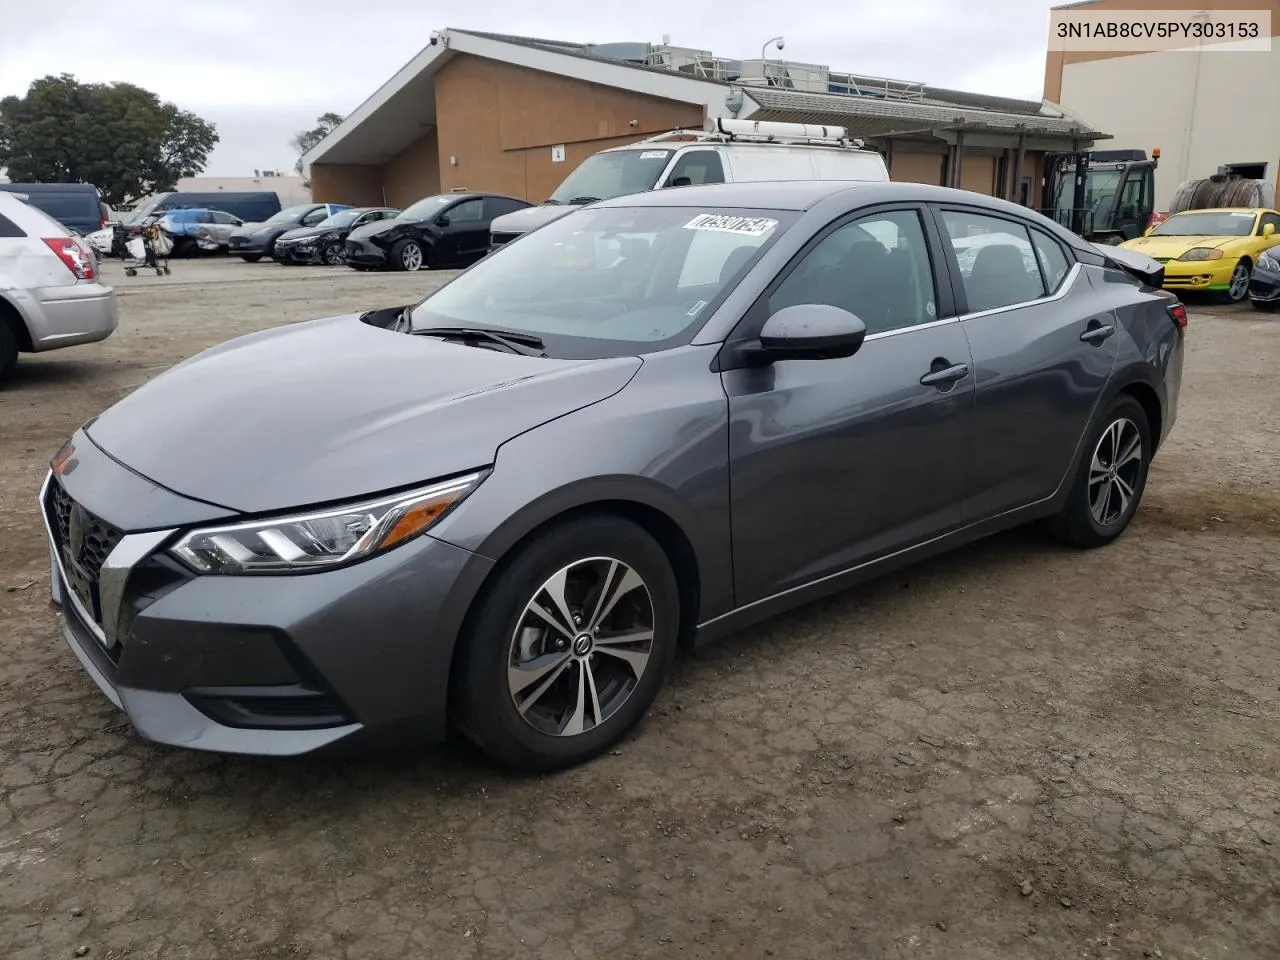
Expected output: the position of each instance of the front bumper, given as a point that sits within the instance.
(297, 252)
(64, 316)
(259, 665)
(362, 253)
(1264, 285)
(1200, 275)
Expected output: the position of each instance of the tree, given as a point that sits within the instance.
(304, 140)
(117, 136)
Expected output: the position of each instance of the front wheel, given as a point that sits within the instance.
(1238, 288)
(568, 646)
(251, 257)
(408, 255)
(1111, 478)
(333, 255)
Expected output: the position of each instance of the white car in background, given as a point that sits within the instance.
(50, 293)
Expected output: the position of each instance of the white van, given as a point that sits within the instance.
(731, 151)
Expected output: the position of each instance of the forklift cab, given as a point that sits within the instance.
(1105, 196)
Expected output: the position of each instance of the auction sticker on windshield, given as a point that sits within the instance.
(722, 223)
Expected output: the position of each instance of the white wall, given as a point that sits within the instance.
(1222, 113)
(291, 189)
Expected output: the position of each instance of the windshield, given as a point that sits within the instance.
(615, 174)
(608, 282)
(1217, 223)
(291, 213)
(1099, 187)
(427, 207)
(343, 218)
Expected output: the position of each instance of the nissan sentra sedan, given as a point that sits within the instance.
(506, 507)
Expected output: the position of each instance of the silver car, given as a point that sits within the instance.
(646, 424)
(50, 293)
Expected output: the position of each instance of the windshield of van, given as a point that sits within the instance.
(613, 174)
(615, 281)
(1219, 223)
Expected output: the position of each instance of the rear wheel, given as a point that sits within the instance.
(568, 647)
(1110, 480)
(408, 255)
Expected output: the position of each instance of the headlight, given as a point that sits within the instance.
(322, 539)
(1202, 253)
(1268, 262)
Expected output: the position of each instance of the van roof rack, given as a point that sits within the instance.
(728, 130)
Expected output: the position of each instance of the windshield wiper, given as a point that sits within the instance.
(584, 200)
(525, 344)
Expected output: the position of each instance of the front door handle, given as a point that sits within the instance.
(1097, 332)
(942, 374)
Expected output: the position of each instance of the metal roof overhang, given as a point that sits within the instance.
(880, 119)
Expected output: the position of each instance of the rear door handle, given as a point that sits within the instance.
(941, 377)
(1097, 332)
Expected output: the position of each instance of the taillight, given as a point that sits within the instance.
(1179, 314)
(73, 254)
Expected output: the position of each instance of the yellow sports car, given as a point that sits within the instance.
(1210, 250)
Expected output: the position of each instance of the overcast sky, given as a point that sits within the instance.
(262, 71)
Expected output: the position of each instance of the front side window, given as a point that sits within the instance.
(695, 167)
(876, 267)
(1209, 223)
(289, 214)
(1268, 218)
(468, 211)
(998, 266)
(315, 217)
(609, 282)
(428, 208)
(615, 173)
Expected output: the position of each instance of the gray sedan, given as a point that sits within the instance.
(642, 426)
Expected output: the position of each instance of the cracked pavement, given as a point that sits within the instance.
(1015, 750)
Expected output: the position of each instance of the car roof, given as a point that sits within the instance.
(804, 194)
(1223, 210)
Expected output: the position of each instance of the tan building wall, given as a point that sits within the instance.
(917, 167)
(497, 124)
(415, 173)
(360, 186)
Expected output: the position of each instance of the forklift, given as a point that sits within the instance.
(1105, 196)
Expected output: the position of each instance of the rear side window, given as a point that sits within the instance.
(695, 167)
(998, 265)
(1053, 262)
(9, 229)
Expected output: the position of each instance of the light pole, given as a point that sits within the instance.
(779, 42)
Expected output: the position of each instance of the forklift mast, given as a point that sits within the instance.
(1097, 223)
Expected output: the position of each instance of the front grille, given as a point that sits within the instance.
(82, 560)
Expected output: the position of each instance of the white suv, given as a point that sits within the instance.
(50, 293)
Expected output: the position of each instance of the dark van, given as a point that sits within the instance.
(74, 205)
(249, 206)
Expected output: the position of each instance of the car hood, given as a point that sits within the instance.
(248, 229)
(375, 228)
(334, 409)
(1174, 247)
(301, 233)
(530, 218)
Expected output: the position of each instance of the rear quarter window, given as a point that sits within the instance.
(9, 229)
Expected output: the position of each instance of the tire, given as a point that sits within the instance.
(500, 631)
(250, 257)
(1081, 523)
(1239, 284)
(332, 255)
(408, 255)
(8, 345)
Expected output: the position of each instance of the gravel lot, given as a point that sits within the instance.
(1013, 751)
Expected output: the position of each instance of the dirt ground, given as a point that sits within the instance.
(1016, 751)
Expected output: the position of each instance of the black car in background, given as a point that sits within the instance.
(448, 229)
(326, 241)
(253, 241)
(1264, 281)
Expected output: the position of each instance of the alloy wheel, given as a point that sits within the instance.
(411, 257)
(1114, 472)
(1239, 283)
(333, 255)
(581, 646)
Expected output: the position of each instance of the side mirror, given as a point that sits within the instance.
(1268, 229)
(442, 221)
(811, 331)
(679, 182)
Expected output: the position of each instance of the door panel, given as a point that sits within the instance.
(1038, 382)
(836, 462)
(468, 230)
